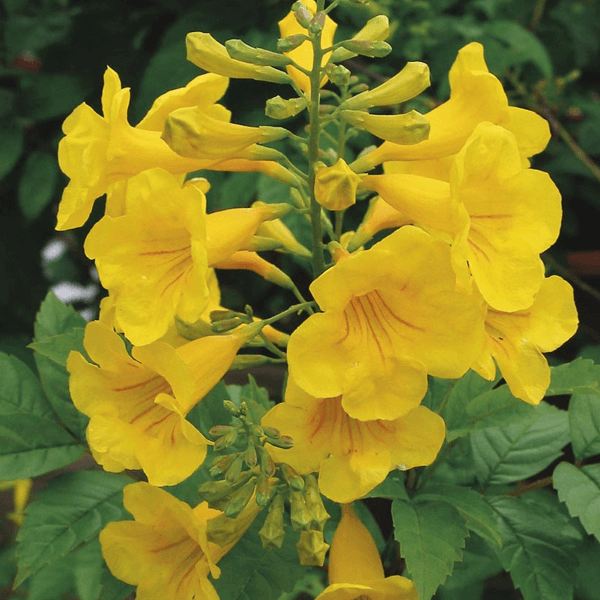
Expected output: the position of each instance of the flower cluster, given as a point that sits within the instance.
(457, 284)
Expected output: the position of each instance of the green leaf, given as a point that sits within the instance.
(588, 575)
(584, 422)
(534, 551)
(392, 488)
(472, 405)
(11, 146)
(579, 489)
(581, 376)
(523, 46)
(72, 509)
(431, 536)
(31, 440)
(248, 571)
(210, 410)
(88, 568)
(58, 330)
(46, 96)
(471, 505)
(517, 451)
(112, 588)
(37, 184)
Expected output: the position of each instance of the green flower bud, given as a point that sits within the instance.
(284, 441)
(235, 470)
(223, 315)
(314, 502)
(227, 440)
(262, 490)
(239, 500)
(279, 108)
(255, 56)
(231, 407)
(317, 23)
(302, 14)
(212, 491)
(220, 464)
(246, 361)
(291, 476)
(312, 548)
(226, 325)
(339, 75)
(365, 48)
(219, 430)
(250, 456)
(271, 433)
(299, 515)
(287, 44)
(267, 466)
(272, 532)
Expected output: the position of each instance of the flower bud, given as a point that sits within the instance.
(299, 515)
(339, 75)
(226, 440)
(235, 470)
(375, 30)
(263, 490)
(225, 325)
(231, 407)
(312, 548)
(287, 44)
(335, 187)
(408, 128)
(255, 56)
(317, 23)
(239, 500)
(250, 456)
(291, 476)
(212, 491)
(314, 502)
(219, 430)
(220, 464)
(271, 433)
(248, 361)
(223, 315)
(279, 108)
(283, 441)
(302, 14)
(272, 532)
(365, 48)
(267, 466)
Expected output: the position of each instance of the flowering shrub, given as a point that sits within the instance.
(417, 374)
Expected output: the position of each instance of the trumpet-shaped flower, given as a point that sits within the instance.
(391, 316)
(351, 456)
(137, 404)
(498, 215)
(208, 54)
(355, 569)
(407, 128)
(517, 340)
(303, 55)
(164, 551)
(376, 29)
(476, 95)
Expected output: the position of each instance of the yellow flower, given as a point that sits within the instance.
(355, 569)
(498, 215)
(137, 404)
(164, 551)
(517, 340)
(303, 55)
(335, 186)
(351, 456)
(208, 54)
(476, 95)
(21, 489)
(407, 128)
(376, 29)
(390, 317)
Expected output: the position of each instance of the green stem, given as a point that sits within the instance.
(339, 220)
(271, 346)
(313, 150)
(290, 311)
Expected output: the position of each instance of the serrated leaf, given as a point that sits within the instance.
(469, 409)
(471, 505)
(72, 509)
(248, 571)
(32, 442)
(539, 560)
(587, 586)
(58, 330)
(37, 183)
(579, 489)
(432, 536)
(584, 423)
(581, 376)
(438, 392)
(517, 451)
(392, 488)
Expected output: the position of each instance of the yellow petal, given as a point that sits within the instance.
(408, 128)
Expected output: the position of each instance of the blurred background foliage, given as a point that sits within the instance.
(53, 54)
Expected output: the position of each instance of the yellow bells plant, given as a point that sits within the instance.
(476, 95)
(137, 404)
(165, 551)
(335, 186)
(390, 316)
(355, 568)
(516, 340)
(498, 215)
(303, 55)
(351, 456)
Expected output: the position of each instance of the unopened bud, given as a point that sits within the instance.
(271, 433)
(239, 500)
(255, 56)
(223, 315)
(312, 548)
(302, 14)
(314, 502)
(220, 464)
(250, 457)
(339, 75)
(235, 470)
(299, 515)
(272, 532)
(267, 466)
(335, 186)
(231, 407)
(226, 325)
(359, 89)
(214, 490)
(287, 44)
(317, 23)
(226, 440)
(219, 430)
(283, 441)
(262, 490)
(279, 108)
(366, 48)
(248, 361)
(291, 476)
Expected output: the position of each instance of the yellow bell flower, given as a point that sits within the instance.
(408, 128)
(208, 54)
(137, 404)
(498, 215)
(21, 490)
(391, 316)
(476, 95)
(355, 569)
(192, 133)
(335, 186)
(303, 55)
(517, 340)
(164, 551)
(351, 456)
(408, 83)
